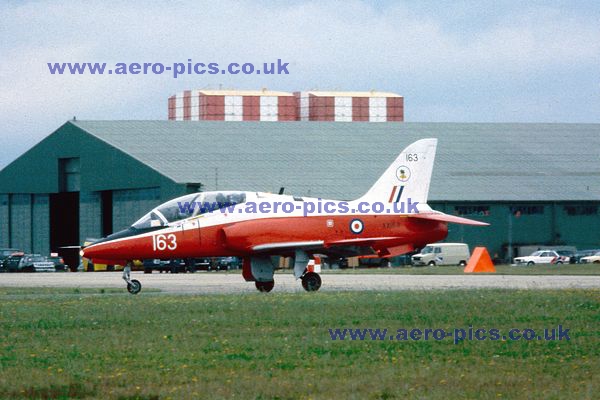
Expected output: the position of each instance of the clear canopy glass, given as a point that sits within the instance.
(188, 206)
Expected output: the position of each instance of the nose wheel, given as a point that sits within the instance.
(133, 285)
(311, 281)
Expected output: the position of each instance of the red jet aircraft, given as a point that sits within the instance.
(392, 218)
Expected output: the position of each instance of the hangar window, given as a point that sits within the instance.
(574, 210)
(69, 174)
(527, 210)
(472, 210)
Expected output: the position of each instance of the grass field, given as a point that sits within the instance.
(101, 344)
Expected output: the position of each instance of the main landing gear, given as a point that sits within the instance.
(264, 286)
(133, 285)
(311, 281)
(260, 269)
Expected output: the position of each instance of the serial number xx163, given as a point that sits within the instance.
(163, 242)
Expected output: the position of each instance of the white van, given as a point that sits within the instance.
(442, 254)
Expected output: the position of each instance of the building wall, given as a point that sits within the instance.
(350, 107)
(4, 221)
(20, 221)
(533, 223)
(288, 108)
(194, 105)
(90, 215)
(130, 205)
(40, 224)
(579, 223)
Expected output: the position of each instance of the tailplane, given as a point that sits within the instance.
(408, 177)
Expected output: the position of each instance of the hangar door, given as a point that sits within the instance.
(64, 212)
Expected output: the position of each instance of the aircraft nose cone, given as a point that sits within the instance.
(91, 251)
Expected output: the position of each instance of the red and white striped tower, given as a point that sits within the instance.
(266, 105)
(233, 105)
(350, 106)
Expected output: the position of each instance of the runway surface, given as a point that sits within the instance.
(221, 282)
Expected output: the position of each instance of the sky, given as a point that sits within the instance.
(479, 61)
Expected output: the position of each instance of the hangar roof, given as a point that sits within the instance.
(475, 161)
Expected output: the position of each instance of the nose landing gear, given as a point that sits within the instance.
(133, 285)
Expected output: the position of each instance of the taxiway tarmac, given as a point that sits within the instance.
(221, 282)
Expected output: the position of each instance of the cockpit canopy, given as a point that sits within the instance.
(189, 206)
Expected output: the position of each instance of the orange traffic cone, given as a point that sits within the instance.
(480, 261)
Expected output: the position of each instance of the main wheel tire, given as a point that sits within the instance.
(311, 282)
(462, 264)
(264, 286)
(559, 262)
(530, 264)
(431, 263)
(134, 287)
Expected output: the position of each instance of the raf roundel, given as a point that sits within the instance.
(356, 226)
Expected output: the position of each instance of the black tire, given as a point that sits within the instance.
(463, 263)
(134, 287)
(264, 286)
(431, 263)
(559, 262)
(530, 264)
(311, 281)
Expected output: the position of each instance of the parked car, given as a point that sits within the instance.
(442, 254)
(404, 259)
(541, 257)
(565, 256)
(203, 264)
(30, 263)
(59, 263)
(372, 262)
(174, 266)
(11, 263)
(584, 253)
(5, 253)
(227, 263)
(595, 259)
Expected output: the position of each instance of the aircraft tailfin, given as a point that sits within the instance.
(407, 177)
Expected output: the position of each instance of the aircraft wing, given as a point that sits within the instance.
(318, 244)
(370, 247)
(448, 218)
(306, 245)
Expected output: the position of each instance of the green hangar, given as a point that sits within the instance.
(536, 184)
